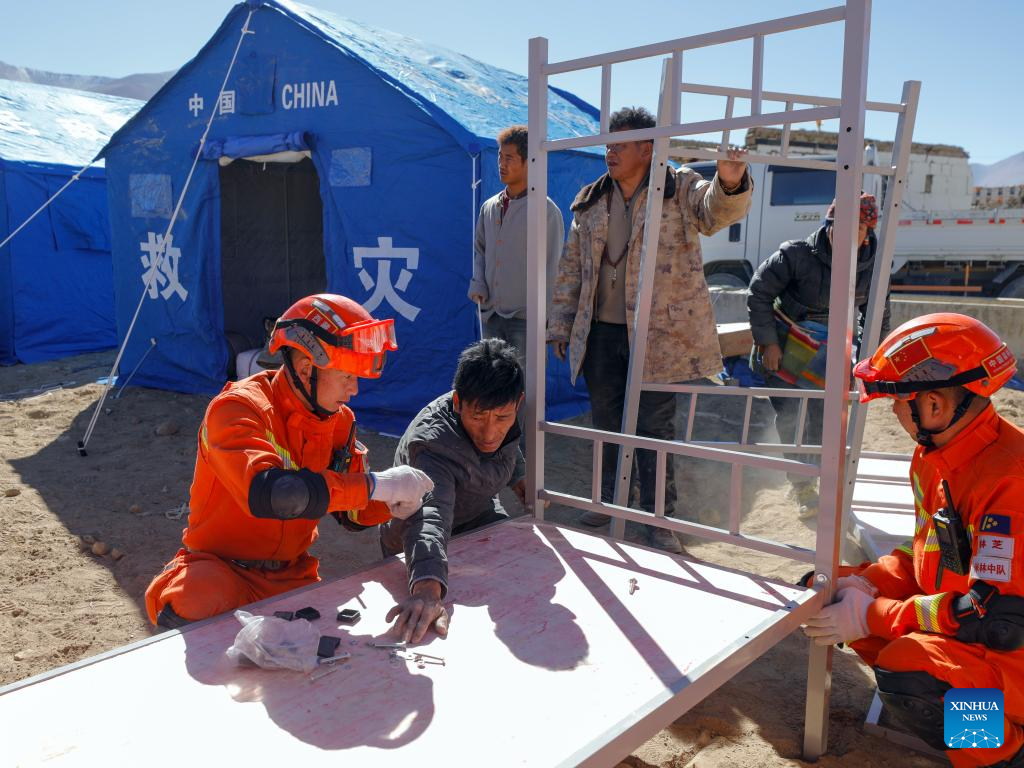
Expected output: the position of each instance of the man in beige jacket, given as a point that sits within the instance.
(592, 311)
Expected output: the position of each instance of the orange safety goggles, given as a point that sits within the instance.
(358, 348)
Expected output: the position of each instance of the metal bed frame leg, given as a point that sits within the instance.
(849, 179)
(671, 69)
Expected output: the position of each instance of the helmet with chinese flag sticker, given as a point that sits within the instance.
(336, 332)
(935, 351)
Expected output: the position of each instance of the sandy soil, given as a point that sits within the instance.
(60, 602)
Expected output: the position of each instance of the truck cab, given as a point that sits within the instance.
(977, 253)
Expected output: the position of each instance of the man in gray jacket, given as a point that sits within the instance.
(466, 441)
(499, 267)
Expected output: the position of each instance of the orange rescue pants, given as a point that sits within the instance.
(198, 585)
(962, 665)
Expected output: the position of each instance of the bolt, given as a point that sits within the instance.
(821, 578)
(633, 586)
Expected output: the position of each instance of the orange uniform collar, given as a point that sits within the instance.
(968, 443)
(288, 400)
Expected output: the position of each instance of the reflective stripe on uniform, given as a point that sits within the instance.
(927, 608)
(281, 451)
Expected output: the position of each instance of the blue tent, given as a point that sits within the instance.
(56, 286)
(343, 159)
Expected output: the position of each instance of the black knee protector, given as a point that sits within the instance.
(914, 703)
(287, 494)
(990, 618)
(168, 619)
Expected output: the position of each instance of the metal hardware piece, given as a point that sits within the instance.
(633, 586)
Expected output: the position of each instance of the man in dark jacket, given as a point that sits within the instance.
(795, 281)
(467, 442)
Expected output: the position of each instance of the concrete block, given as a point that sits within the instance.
(1004, 316)
(729, 304)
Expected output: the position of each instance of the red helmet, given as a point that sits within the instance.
(335, 332)
(935, 351)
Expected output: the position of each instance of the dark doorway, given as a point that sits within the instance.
(272, 245)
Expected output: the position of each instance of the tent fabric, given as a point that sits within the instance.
(394, 128)
(250, 146)
(56, 276)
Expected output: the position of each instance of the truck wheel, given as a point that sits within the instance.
(1013, 290)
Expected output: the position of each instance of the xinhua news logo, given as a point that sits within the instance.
(974, 718)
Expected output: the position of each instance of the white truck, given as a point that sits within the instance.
(971, 252)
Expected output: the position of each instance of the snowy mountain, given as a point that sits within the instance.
(1006, 173)
(137, 86)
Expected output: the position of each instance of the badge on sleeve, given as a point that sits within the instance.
(995, 524)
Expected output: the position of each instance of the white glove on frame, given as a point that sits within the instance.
(857, 582)
(403, 485)
(844, 621)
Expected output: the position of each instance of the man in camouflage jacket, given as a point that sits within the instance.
(592, 311)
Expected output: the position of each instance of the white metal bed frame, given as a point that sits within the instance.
(843, 424)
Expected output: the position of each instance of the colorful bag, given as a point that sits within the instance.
(804, 351)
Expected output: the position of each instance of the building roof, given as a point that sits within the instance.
(829, 141)
(45, 124)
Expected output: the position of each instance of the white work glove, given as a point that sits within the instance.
(844, 621)
(403, 510)
(857, 582)
(401, 485)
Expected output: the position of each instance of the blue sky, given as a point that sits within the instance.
(967, 54)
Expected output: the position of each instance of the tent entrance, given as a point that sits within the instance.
(272, 244)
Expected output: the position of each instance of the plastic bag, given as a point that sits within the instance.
(273, 643)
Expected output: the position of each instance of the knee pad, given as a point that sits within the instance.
(914, 702)
(168, 619)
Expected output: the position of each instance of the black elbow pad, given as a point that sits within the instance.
(989, 618)
(288, 494)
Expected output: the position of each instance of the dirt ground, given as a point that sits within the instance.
(60, 601)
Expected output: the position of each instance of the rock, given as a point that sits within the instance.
(88, 539)
(703, 738)
(108, 411)
(167, 428)
(165, 489)
(12, 492)
(135, 509)
(25, 655)
(116, 554)
(100, 548)
(18, 612)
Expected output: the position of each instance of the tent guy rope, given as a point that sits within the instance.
(84, 442)
(45, 205)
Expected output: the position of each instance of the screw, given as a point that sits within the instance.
(633, 586)
(821, 578)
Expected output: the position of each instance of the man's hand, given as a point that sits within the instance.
(844, 621)
(402, 484)
(520, 491)
(418, 612)
(559, 347)
(731, 171)
(476, 298)
(771, 357)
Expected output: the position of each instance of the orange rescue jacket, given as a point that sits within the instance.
(984, 466)
(253, 425)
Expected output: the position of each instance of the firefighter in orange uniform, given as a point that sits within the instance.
(277, 452)
(947, 609)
